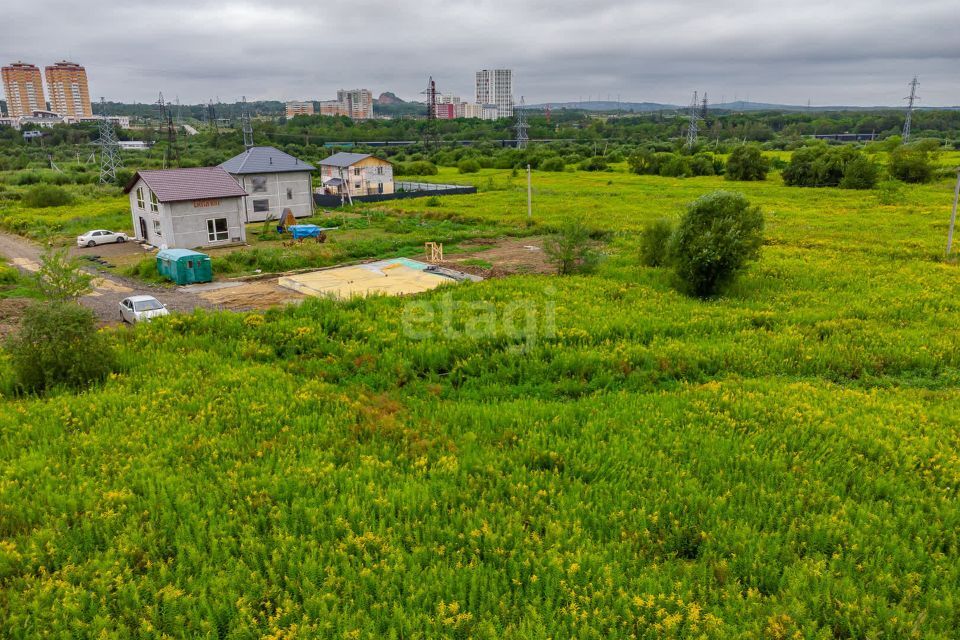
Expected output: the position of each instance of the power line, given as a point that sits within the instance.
(247, 127)
(910, 100)
(110, 158)
(522, 136)
(692, 126)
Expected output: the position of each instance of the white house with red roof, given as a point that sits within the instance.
(187, 208)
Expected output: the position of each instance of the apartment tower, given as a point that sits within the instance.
(68, 91)
(356, 103)
(23, 88)
(495, 86)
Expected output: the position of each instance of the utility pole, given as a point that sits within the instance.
(530, 195)
(910, 100)
(953, 216)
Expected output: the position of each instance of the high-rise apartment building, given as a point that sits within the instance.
(299, 108)
(23, 88)
(495, 86)
(358, 103)
(354, 103)
(68, 91)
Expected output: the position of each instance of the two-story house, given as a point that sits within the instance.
(275, 181)
(187, 208)
(359, 174)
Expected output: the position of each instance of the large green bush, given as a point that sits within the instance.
(823, 166)
(468, 166)
(46, 195)
(58, 344)
(553, 164)
(747, 163)
(860, 173)
(416, 168)
(912, 163)
(596, 163)
(719, 234)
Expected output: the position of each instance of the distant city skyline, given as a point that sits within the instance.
(857, 53)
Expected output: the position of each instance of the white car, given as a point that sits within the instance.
(141, 309)
(100, 236)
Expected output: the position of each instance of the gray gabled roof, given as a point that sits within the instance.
(344, 159)
(264, 160)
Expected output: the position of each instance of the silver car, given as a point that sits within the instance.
(141, 309)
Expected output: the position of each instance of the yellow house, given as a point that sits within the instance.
(361, 174)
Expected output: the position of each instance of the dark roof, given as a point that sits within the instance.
(264, 160)
(344, 159)
(174, 185)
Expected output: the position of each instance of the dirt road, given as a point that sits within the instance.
(108, 289)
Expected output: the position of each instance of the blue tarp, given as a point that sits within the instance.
(301, 231)
(304, 231)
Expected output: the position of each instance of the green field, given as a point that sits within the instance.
(532, 457)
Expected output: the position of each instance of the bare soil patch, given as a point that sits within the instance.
(250, 296)
(508, 256)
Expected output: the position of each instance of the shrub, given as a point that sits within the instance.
(703, 164)
(60, 279)
(860, 173)
(416, 168)
(746, 163)
(676, 166)
(468, 166)
(911, 163)
(890, 192)
(571, 250)
(552, 164)
(46, 195)
(717, 236)
(596, 163)
(58, 345)
(655, 243)
(823, 166)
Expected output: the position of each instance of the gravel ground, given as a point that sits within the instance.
(109, 289)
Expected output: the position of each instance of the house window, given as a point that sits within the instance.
(140, 201)
(259, 184)
(357, 185)
(379, 171)
(261, 205)
(154, 203)
(157, 229)
(356, 171)
(289, 193)
(217, 229)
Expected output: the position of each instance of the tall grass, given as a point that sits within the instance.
(779, 462)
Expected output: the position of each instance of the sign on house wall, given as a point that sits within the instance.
(210, 202)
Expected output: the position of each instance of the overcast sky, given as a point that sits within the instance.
(856, 52)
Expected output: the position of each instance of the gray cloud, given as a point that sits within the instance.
(853, 52)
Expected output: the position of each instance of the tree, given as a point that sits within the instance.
(719, 234)
(60, 278)
(58, 344)
(747, 163)
(571, 250)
